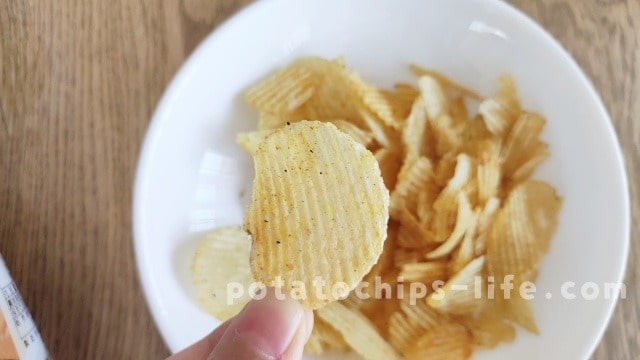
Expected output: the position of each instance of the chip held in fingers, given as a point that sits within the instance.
(319, 212)
(463, 216)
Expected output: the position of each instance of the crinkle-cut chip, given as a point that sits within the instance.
(435, 100)
(329, 337)
(449, 341)
(445, 81)
(399, 111)
(517, 310)
(390, 162)
(445, 169)
(466, 251)
(411, 234)
(476, 130)
(332, 98)
(250, 140)
(521, 142)
(460, 294)
(385, 135)
(412, 321)
(404, 256)
(385, 261)
(284, 91)
(314, 344)
(448, 137)
(464, 220)
(221, 257)
(363, 137)
(425, 272)
(373, 99)
(488, 329)
(379, 311)
(416, 132)
(489, 173)
(501, 111)
(424, 209)
(404, 96)
(357, 331)
(538, 154)
(414, 177)
(485, 219)
(313, 184)
(522, 229)
(446, 204)
(459, 113)
(268, 121)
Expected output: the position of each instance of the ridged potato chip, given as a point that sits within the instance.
(449, 341)
(283, 91)
(250, 140)
(222, 257)
(357, 331)
(319, 208)
(460, 295)
(522, 230)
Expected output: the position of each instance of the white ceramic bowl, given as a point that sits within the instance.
(192, 176)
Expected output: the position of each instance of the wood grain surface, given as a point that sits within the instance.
(78, 83)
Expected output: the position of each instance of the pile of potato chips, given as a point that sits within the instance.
(462, 207)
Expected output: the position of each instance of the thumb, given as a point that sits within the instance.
(274, 327)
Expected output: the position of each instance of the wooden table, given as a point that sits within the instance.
(78, 83)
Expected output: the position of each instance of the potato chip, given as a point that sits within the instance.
(385, 135)
(485, 219)
(445, 81)
(424, 272)
(411, 233)
(390, 162)
(404, 96)
(363, 137)
(522, 142)
(488, 329)
(416, 132)
(446, 203)
(517, 310)
(538, 154)
(373, 99)
(501, 111)
(357, 331)
(414, 178)
(410, 322)
(489, 171)
(464, 220)
(435, 100)
(328, 335)
(522, 230)
(283, 91)
(466, 250)
(460, 295)
(312, 185)
(385, 261)
(222, 257)
(250, 141)
(449, 341)
(314, 343)
(333, 97)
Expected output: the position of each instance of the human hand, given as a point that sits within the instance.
(265, 329)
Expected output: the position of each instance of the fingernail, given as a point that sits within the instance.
(271, 322)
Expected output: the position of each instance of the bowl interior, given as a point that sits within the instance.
(193, 177)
